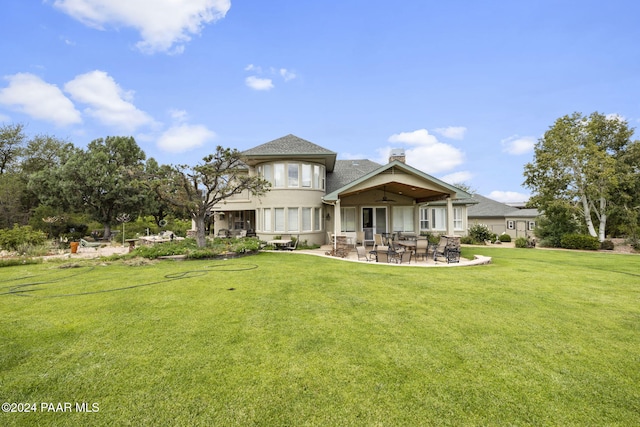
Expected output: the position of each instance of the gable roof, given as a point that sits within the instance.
(489, 208)
(290, 146)
(428, 193)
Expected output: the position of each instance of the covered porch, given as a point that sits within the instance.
(393, 200)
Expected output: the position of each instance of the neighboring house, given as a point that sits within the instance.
(502, 218)
(314, 195)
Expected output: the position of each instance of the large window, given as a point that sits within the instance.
(293, 174)
(347, 219)
(306, 176)
(306, 219)
(424, 219)
(278, 175)
(402, 218)
(317, 219)
(278, 216)
(457, 219)
(292, 217)
(266, 224)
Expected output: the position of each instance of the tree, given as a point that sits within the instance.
(578, 160)
(199, 188)
(101, 181)
(12, 140)
(155, 205)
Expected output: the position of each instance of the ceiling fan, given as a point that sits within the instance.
(385, 199)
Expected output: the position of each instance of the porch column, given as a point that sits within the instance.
(336, 221)
(449, 216)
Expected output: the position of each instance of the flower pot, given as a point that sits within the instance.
(74, 247)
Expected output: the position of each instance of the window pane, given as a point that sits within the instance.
(268, 173)
(293, 219)
(457, 218)
(306, 176)
(278, 175)
(402, 218)
(293, 175)
(266, 225)
(347, 219)
(306, 219)
(316, 176)
(439, 219)
(278, 214)
(317, 217)
(424, 218)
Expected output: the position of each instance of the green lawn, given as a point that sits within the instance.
(536, 338)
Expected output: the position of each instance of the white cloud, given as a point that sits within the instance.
(179, 115)
(31, 95)
(518, 144)
(427, 154)
(287, 75)
(453, 132)
(458, 177)
(258, 83)
(508, 196)
(107, 102)
(184, 137)
(164, 25)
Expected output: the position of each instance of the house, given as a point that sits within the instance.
(314, 195)
(503, 218)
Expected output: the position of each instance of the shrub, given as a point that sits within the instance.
(19, 237)
(468, 240)
(480, 233)
(521, 242)
(607, 245)
(504, 238)
(579, 241)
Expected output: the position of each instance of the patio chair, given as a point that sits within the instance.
(293, 245)
(441, 249)
(404, 257)
(362, 253)
(360, 238)
(422, 248)
(383, 256)
(377, 241)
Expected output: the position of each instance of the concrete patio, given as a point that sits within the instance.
(352, 256)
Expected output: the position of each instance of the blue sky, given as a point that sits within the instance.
(465, 87)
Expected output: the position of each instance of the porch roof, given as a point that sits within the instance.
(399, 178)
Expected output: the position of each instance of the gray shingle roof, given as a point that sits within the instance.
(289, 145)
(488, 208)
(347, 171)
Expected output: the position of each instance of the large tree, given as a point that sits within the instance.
(197, 189)
(101, 181)
(579, 160)
(12, 139)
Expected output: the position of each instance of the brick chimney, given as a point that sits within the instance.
(397, 154)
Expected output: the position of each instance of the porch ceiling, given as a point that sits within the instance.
(420, 194)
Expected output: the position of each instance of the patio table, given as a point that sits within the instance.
(279, 243)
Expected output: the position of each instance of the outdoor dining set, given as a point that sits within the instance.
(401, 248)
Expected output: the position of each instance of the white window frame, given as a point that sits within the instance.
(293, 221)
(347, 219)
(278, 220)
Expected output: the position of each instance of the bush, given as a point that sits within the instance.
(481, 233)
(468, 240)
(504, 238)
(20, 237)
(607, 245)
(522, 242)
(579, 241)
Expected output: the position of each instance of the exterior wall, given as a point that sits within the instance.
(282, 201)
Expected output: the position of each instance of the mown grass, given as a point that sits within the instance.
(536, 338)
